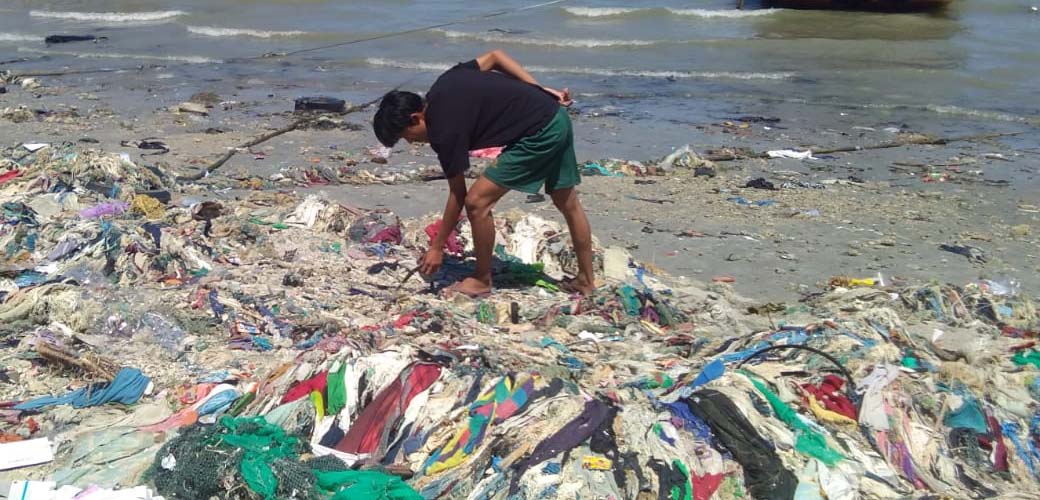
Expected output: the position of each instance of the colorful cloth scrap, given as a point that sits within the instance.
(507, 398)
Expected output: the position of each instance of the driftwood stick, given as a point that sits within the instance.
(35, 74)
(917, 140)
(92, 364)
(264, 138)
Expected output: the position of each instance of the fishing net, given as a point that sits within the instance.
(237, 459)
(249, 458)
(196, 469)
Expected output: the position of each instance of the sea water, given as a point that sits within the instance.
(661, 60)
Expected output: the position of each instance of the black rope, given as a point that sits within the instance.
(479, 17)
(851, 389)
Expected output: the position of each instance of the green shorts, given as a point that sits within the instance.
(543, 158)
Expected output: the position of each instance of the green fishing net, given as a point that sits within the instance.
(327, 463)
(188, 467)
(249, 458)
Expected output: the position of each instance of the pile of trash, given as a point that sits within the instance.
(373, 167)
(682, 158)
(162, 342)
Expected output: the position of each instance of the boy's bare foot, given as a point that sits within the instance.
(471, 287)
(578, 285)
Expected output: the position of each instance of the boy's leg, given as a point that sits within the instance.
(566, 201)
(480, 198)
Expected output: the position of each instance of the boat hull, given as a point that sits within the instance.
(871, 5)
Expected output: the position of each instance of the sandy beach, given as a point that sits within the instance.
(816, 244)
(900, 206)
(257, 334)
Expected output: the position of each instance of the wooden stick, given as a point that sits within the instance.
(264, 138)
(919, 140)
(90, 363)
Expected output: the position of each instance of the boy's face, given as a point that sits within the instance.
(416, 132)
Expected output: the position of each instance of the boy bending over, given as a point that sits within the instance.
(492, 101)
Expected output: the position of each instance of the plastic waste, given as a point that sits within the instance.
(593, 168)
(376, 227)
(114, 325)
(170, 336)
(790, 153)
(962, 342)
(974, 254)
(847, 282)
(760, 183)
(1004, 287)
(29, 278)
(104, 210)
(740, 200)
(320, 103)
(684, 157)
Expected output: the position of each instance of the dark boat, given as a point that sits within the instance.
(872, 5)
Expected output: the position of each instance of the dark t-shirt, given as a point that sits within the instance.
(467, 109)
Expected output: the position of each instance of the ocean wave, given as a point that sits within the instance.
(729, 13)
(979, 113)
(15, 37)
(494, 37)
(733, 75)
(116, 55)
(109, 17)
(950, 109)
(597, 12)
(603, 11)
(223, 32)
(418, 66)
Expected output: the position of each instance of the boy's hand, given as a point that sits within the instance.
(563, 96)
(431, 262)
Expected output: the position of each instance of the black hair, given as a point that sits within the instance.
(395, 114)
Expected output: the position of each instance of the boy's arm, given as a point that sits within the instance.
(500, 61)
(431, 262)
